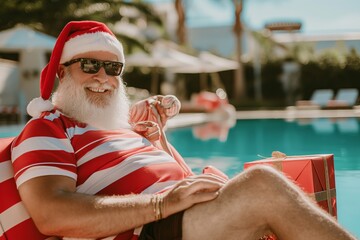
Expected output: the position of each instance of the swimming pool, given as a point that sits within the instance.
(254, 139)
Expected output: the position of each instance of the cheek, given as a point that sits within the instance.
(114, 82)
(81, 78)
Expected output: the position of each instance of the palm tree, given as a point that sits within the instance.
(181, 29)
(239, 83)
(51, 16)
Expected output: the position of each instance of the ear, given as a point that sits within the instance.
(60, 72)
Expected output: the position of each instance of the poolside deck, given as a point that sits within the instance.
(292, 113)
(188, 119)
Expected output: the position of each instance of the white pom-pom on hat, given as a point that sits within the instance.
(39, 105)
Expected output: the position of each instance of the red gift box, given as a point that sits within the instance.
(315, 174)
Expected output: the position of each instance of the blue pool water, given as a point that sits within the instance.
(254, 139)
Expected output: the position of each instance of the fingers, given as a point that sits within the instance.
(203, 185)
(210, 176)
(153, 133)
(171, 105)
(167, 106)
(199, 191)
(194, 187)
(170, 112)
(150, 130)
(139, 128)
(144, 125)
(200, 183)
(215, 171)
(191, 191)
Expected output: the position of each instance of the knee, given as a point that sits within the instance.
(251, 190)
(261, 173)
(260, 178)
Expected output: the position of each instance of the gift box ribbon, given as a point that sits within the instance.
(327, 194)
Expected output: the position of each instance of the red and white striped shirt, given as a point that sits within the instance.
(15, 222)
(101, 162)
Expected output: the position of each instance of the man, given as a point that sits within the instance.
(82, 172)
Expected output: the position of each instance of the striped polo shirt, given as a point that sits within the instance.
(100, 161)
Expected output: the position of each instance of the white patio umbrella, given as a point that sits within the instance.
(208, 63)
(205, 63)
(161, 57)
(165, 55)
(32, 47)
(22, 37)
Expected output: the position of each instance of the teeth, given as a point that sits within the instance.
(100, 90)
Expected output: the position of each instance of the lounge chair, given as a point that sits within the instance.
(345, 98)
(15, 222)
(319, 99)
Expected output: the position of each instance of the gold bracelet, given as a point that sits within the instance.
(158, 205)
(158, 212)
(153, 202)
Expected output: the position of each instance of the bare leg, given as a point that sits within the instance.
(256, 202)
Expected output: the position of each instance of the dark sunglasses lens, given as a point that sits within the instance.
(93, 66)
(112, 68)
(90, 65)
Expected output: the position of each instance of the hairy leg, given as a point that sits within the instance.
(258, 201)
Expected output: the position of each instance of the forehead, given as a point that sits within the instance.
(100, 55)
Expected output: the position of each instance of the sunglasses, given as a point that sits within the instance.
(91, 66)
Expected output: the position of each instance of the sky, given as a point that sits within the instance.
(316, 16)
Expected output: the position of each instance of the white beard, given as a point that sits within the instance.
(71, 99)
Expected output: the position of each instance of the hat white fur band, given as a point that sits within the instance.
(89, 42)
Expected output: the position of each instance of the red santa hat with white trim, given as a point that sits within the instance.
(76, 37)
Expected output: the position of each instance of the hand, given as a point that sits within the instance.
(167, 107)
(148, 129)
(190, 191)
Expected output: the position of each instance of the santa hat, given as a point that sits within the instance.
(77, 37)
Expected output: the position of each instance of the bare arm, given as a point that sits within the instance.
(58, 210)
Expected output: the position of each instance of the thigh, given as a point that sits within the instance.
(252, 202)
(229, 216)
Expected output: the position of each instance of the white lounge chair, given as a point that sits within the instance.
(319, 99)
(345, 98)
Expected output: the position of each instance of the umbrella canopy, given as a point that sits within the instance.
(142, 59)
(206, 63)
(222, 64)
(162, 55)
(21, 37)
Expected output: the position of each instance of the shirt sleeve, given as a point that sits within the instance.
(41, 149)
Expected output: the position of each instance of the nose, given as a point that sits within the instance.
(101, 76)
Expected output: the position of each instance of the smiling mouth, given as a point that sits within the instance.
(97, 90)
